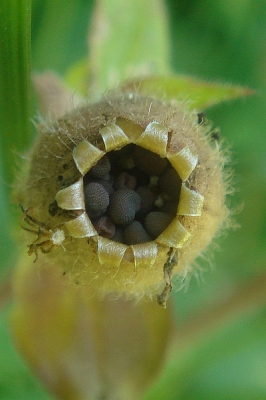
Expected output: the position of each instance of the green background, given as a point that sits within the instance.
(222, 41)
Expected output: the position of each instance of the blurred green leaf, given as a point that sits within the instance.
(15, 22)
(78, 77)
(127, 38)
(197, 93)
(226, 364)
(59, 30)
(16, 380)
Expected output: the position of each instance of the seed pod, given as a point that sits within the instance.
(70, 147)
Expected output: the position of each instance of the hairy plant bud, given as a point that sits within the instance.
(130, 142)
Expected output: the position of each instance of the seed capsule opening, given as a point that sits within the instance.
(131, 195)
(129, 182)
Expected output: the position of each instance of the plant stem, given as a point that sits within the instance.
(15, 19)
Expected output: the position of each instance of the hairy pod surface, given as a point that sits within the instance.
(115, 189)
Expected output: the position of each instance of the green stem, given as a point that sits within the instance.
(15, 18)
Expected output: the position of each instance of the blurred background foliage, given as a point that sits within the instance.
(221, 41)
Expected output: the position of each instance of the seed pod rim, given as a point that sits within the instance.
(181, 156)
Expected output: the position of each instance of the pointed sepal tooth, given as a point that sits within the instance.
(184, 162)
(86, 156)
(154, 138)
(144, 254)
(71, 197)
(190, 202)
(175, 235)
(114, 137)
(110, 252)
(80, 227)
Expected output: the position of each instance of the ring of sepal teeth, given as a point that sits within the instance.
(131, 195)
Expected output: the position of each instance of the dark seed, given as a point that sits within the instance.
(101, 169)
(96, 199)
(105, 227)
(124, 180)
(156, 222)
(136, 234)
(147, 200)
(124, 203)
(119, 235)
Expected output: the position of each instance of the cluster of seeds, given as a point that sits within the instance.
(131, 195)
